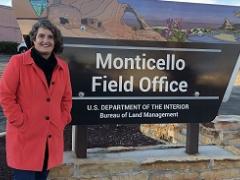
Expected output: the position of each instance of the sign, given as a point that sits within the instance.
(143, 61)
(148, 82)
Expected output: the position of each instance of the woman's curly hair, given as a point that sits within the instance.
(46, 24)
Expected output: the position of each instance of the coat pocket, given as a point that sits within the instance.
(25, 124)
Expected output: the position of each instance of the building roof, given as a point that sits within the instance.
(24, 9)
(9, 29)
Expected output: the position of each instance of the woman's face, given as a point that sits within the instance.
(44, 42)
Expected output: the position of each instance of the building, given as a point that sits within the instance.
(9, 29)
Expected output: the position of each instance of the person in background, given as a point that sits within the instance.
(36, 98)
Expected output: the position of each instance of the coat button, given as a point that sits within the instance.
(53, 83)
(49, 136)
(48, 99)
(47, 117)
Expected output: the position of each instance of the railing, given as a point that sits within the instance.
(2, 134)
(3, 63)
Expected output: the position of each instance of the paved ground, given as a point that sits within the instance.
(231, 107)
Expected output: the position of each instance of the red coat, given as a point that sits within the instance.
(36, 113)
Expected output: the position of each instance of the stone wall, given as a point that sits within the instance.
(224, 131)
(155, 163)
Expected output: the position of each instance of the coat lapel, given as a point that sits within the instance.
(29, 61)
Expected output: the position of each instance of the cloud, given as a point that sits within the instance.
(195, 1)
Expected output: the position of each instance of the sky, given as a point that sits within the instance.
(223, 2)
(6, 2)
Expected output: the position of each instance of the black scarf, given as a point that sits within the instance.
(47, 65)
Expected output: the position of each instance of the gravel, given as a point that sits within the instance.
(117, 135)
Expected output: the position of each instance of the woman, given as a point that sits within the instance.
(36, 97)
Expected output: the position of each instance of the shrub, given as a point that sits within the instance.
(174, 31)
(7, 47)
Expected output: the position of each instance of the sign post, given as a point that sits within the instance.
(81, 141)
(192, 138)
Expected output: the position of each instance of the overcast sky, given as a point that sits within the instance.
(5, 2)
(224, 2)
